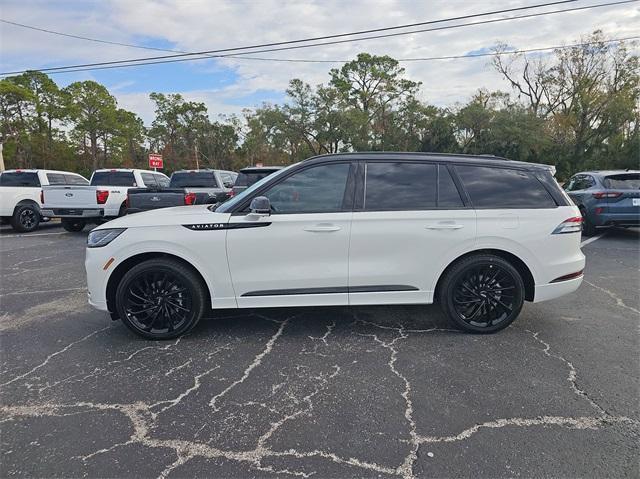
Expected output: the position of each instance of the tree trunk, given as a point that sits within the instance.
(94, 149)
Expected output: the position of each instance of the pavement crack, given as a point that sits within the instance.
(254, 364)
(613, 296)
(53, 355)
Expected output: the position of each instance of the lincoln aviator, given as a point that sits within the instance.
(478, 235)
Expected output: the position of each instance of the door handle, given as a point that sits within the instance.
(444, 226)
(322, 228)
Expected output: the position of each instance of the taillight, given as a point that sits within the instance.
(567, 277)
(231, 194)
(190, 199)
(606, 194)
(41, 197)
(571, 225)
(102, 196)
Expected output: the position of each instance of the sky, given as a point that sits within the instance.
(227, 86)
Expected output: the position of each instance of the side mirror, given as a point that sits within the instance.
(261, 206)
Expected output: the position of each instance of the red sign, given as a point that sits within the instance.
(155, 161)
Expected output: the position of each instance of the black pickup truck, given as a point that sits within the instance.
(144, 199)
(186, 187)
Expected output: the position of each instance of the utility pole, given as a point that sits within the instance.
(197, 159)
(1, 157)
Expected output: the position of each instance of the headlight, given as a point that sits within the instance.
(98, 238)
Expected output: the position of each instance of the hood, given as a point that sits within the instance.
(177, 215)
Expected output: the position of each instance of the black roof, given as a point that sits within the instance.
(261, 168)
(458, 158)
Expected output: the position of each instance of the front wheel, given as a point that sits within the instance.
(588, 228)
(73, 225)
(25, 218)
(481, 294)
(160, 299)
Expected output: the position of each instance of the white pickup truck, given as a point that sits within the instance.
(21, 195)
(102, 200)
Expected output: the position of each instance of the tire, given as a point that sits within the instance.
(588, 228)
(73, 225)
(143, 304)
(26, 218)
(481, 294)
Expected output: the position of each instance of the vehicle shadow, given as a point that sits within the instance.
(311, 321)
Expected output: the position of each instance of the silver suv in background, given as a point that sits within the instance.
(209, 186)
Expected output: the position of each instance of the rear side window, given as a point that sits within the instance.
(623, 182)
(227, 179)
(448, 195)
(400, 186)
(19, 178)
(193, 179)
(149, 179)
(161, 180)
(75, 180)
(56, 179)
(503, 188)
(113, 178)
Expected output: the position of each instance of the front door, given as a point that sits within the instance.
(298, 255)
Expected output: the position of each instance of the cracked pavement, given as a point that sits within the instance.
(386, 391)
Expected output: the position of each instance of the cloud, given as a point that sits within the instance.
(228, 85)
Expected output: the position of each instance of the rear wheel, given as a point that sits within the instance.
(588, 228)
(481, 294)
(160, 299)
(25, 218)
(73, 225)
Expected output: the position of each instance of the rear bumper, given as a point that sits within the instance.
(72, 213)
(545, 292)
(608, 219)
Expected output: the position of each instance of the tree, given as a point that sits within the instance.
(92, 109)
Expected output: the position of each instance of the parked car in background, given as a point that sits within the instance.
(21, 195)
(250, 175)
(478, 235)
(145, 199)
(209, 186)
(606, 198)
(186, 187)
(103, 199)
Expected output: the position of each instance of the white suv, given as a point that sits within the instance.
(479, 235)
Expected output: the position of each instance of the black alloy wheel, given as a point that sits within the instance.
(160, 299)
(482, 294)
(26, 218)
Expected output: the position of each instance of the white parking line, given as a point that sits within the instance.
(35, 234)
(591, 240)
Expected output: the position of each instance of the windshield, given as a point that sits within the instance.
(230, 204)
(621, 182)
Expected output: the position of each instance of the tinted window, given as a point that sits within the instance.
(623, 182)
(75, 180)
(247, 178)
(503, 188)
(113, 178)
(227, 179)
(448, 195)
(19, 178)
(317, 189)
(56, 179)
(193, 179)
(162, 181)
(400, 186)
(149, 179)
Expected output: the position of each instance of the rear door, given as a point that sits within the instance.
(408, 220)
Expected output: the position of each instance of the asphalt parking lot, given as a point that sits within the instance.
(322, 392)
